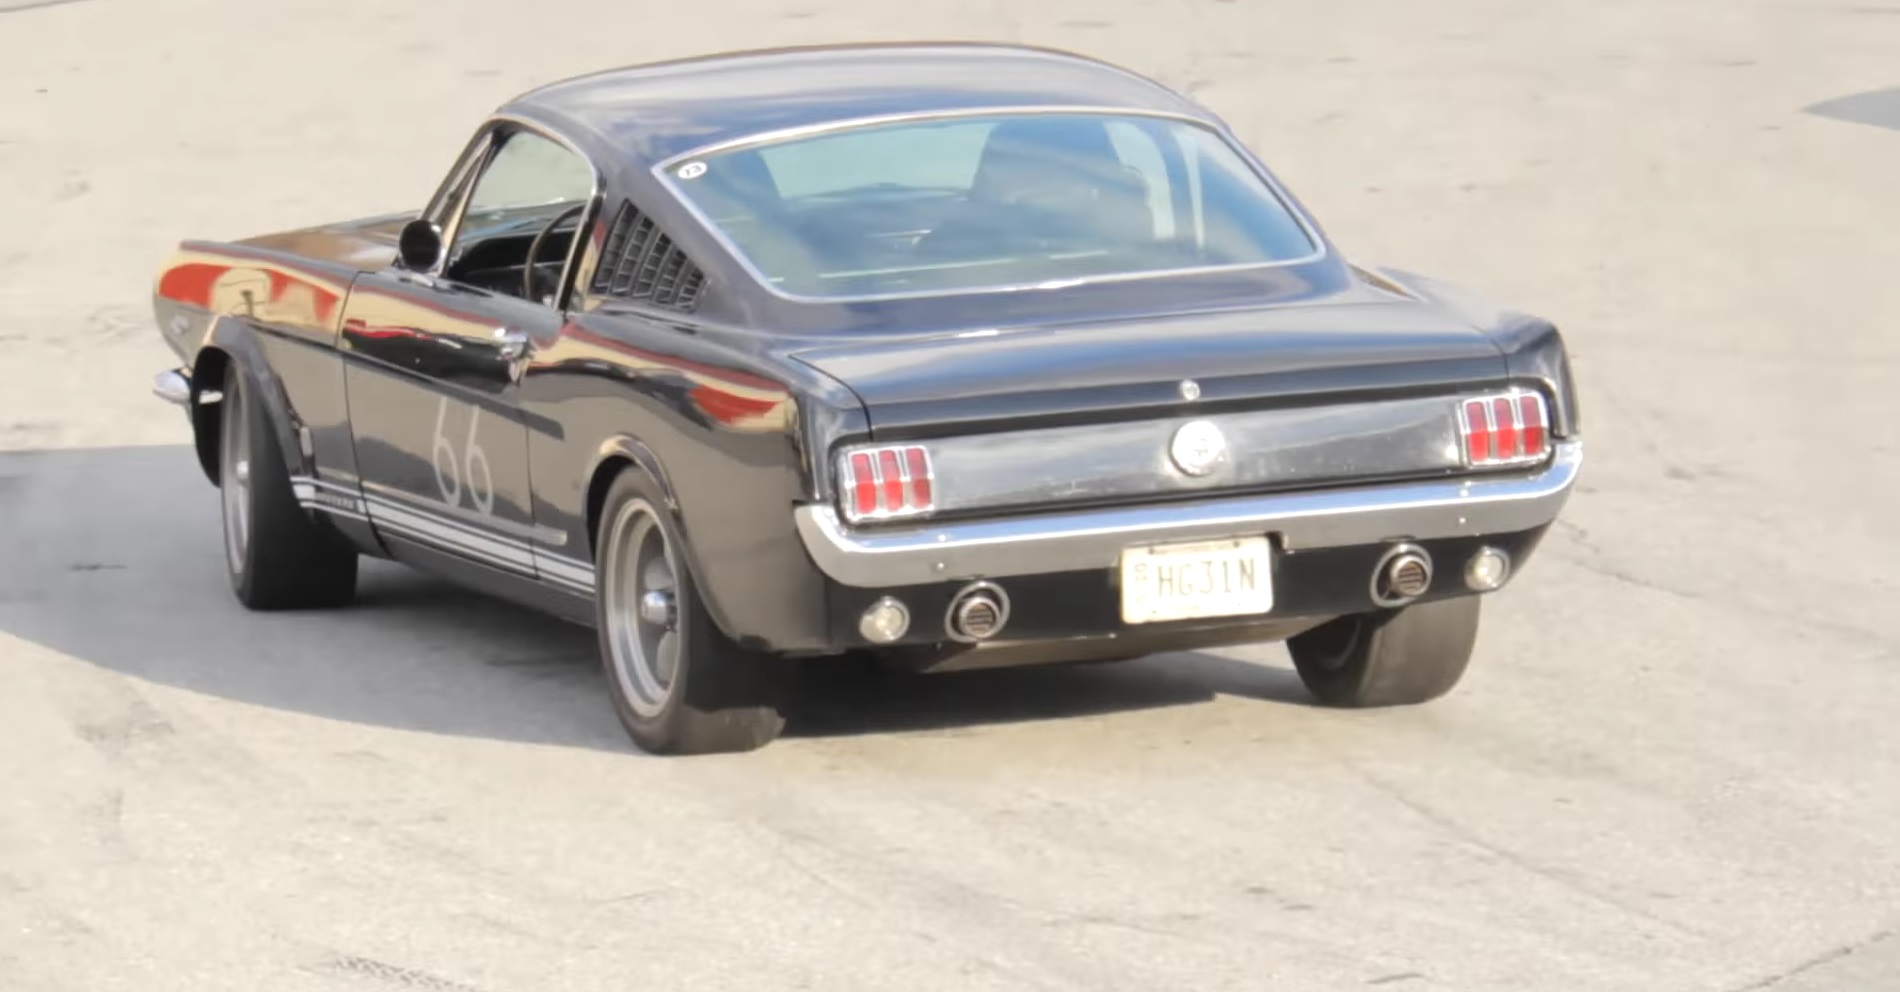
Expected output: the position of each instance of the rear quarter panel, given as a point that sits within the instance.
(725, 429)
(1533, 348)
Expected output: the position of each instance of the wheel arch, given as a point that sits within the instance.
(207, 421)
(623, 453)
(226, 345)
(615, 455)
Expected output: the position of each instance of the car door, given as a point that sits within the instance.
(435, 357)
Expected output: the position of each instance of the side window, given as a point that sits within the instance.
(527, 184)
(530, 171)
(1141, 155)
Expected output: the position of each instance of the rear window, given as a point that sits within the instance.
(972, 203)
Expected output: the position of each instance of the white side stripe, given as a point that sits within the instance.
(335, 511)
(479, 545)
(442, 520)
(414, 521)
(565, 568)
(316, 494)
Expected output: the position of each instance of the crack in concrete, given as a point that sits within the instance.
(1820, 969)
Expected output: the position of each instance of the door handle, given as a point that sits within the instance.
(510, 343)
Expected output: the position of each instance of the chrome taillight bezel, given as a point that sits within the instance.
(910, 495)
(1529, 414)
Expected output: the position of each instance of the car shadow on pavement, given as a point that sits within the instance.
(859, 698)
(112, 556)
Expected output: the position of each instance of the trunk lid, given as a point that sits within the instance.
(944, 383)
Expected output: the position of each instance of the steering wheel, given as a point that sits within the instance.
(534, 248)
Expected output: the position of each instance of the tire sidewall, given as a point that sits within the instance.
(1337, 675)
(290, 560)
(650, 732)
(1395, 657)
(238, 409)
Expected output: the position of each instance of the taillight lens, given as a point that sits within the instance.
(885, 482)
(1504, 429)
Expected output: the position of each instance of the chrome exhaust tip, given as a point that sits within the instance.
(978, 612)
(1404, 573)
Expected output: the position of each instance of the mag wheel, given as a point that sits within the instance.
(678, 684)
(277, 556)
(1390, 657)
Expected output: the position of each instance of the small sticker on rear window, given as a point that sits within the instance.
(692, 170)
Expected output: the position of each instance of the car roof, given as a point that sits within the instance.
(655, 111)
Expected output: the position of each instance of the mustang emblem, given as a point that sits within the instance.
(1198, 448)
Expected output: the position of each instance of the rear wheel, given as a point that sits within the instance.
(678, 684)
(1391, 657)
(278, 557)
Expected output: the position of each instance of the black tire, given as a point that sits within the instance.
(278, 557)
(1396, 657)
(702, 694)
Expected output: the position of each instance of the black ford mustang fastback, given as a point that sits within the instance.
(952, 354)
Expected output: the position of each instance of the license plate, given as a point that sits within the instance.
(1223, 578)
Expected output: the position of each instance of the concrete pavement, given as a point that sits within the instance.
(1674, 766)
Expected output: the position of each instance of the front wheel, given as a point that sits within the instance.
(678, 684)
(1388, 658)
(278, 557)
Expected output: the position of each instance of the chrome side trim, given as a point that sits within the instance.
(172, 387)
(1091, 539)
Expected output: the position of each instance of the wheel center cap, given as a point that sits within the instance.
(656, 608)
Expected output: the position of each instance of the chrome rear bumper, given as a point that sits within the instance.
(1090, 539)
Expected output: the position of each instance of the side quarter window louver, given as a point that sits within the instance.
(639, 262)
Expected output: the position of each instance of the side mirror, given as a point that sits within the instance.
(419, 246)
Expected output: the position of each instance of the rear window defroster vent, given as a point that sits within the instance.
(639, 262)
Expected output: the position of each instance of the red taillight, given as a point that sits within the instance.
(1504, 422)
(864, 496)
(1505, 429)
(880, 483)
(918, 462)
(1477, 428)
(1530, 409)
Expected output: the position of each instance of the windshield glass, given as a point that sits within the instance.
(973, 203)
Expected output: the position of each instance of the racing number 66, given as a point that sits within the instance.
(449, 481)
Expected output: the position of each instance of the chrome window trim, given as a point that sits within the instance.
(489, 148)
(663, 174)
(449, 193)
(1094, 539)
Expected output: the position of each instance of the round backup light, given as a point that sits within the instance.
(1487, 569)
(884, 621)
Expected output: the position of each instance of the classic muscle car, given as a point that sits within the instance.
(945, 354)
